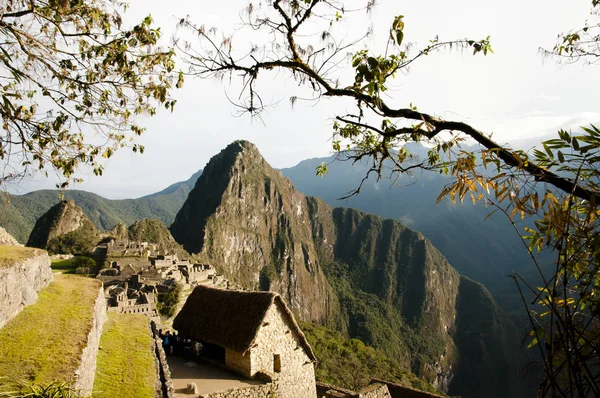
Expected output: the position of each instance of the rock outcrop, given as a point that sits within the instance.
(64, 229)
(21, 280)
(371, 278)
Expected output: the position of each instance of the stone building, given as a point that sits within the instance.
(124, 300)
(252, 333)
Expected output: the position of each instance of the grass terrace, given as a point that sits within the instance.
(66, 266)
(44, 342)
(125, 365)
(10, 254)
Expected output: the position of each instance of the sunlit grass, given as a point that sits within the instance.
(45, 341)
(125, 365)
(66, 266)
(10, 254)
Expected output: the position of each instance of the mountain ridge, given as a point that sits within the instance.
(378, 280)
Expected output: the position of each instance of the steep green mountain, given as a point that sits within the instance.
(370, 278)
(64, 229)
(18, 213)
(349, 363)
(485, 250)
(150, 230)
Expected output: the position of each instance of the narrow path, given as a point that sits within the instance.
(207, 378)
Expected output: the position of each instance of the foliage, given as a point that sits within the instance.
(46, 339)
(167, 302)
(579, 44)
(32, 390)
(82, 240)
(71, 264)
(127, 357)
(85, 261)
(154, 231)
(71, 70)
(349, 363)
(20, 212)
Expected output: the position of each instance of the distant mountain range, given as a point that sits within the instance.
(484, 250)
(18, 213)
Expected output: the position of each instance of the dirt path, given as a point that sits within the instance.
(207, 378)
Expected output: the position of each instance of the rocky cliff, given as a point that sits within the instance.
(371, 278)
(64, 229)
(244, 217)
(23, 273)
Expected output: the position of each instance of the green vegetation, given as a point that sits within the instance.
(45, 92)
(82, 240)
(154, 231)
(349, 363)
(22, 211)
(47, 338)
(33, 390)
(70, 265)
(167, 302)
(125, 364)
(10, 254)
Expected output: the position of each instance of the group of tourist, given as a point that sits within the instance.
(173, 344)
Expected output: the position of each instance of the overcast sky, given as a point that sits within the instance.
(514, 93)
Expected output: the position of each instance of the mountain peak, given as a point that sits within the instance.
(64, 222)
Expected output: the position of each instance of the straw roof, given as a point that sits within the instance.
(231, 318)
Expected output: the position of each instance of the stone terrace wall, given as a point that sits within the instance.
(376, 390)
(399, 391)
(260, 391)
(21, 282)
(164, 372)
(373, 390)
(86, 372)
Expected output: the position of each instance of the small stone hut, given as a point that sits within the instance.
(256, 332)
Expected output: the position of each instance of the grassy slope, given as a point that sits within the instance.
(10, 254)
(51, 350)
(125, 365)
(349, 363)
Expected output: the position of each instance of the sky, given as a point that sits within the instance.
(515, 93)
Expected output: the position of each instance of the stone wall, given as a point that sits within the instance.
(260, 391)
(86, 372)
(400, 391)
(238, 363)
(21, 282)
(164, 372)
(373, 390)
(276, 337)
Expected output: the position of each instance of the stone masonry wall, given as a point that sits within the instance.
(164, 372)
(238, 363)
(86, 372)
(398, 390)
(260, 391)
(21, 282)
(373, 390)
(376, 390)
(296, 376)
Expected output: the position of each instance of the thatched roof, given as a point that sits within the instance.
(231, 318)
